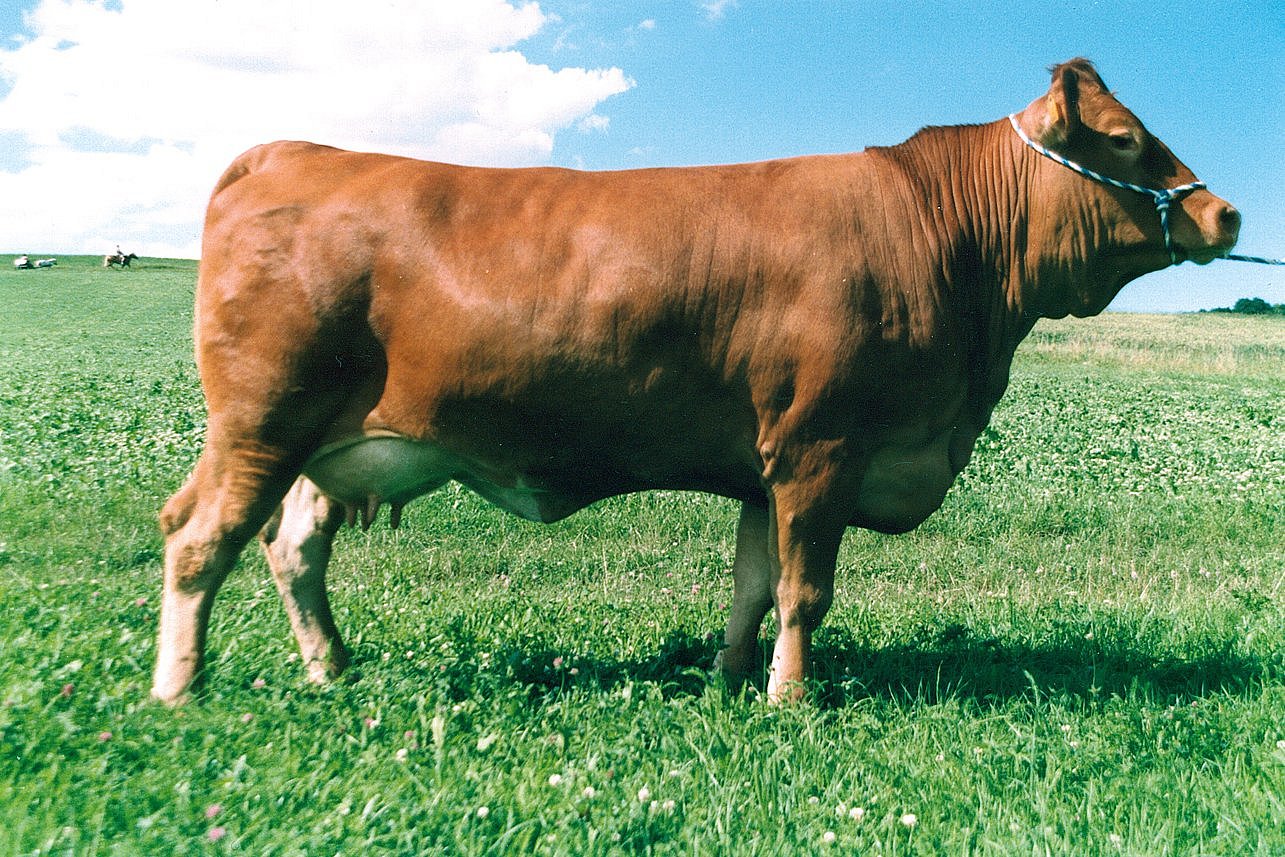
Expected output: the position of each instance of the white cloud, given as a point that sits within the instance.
(715, 9)
(126, 115)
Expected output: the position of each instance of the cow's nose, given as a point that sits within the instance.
(1229, 220)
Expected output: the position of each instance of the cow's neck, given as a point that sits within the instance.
(966, 180)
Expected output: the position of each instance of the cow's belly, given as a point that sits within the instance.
(396, 469)
(904, 484)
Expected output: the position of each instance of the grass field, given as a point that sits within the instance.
(1083, 652)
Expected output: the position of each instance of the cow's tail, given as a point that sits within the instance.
(178, 509)
(249, 161)
(258, 159)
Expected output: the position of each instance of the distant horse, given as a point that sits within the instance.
(122, 259)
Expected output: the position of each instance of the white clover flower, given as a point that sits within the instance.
(856, 813)
(555, 780)
(828, 837)
(589, 791)
(483, 811)
(909, 820)
(644, 794)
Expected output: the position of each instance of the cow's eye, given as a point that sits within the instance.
(1122, 141)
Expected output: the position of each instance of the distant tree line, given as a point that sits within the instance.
(1252, 306)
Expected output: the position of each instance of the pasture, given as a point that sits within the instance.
(1082, 652)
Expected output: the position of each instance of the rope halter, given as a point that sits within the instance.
(1162, 198)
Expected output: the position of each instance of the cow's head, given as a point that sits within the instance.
(1107, 235)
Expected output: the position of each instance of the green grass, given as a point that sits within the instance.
(1082, 652)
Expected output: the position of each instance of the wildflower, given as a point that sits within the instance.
(371, 722)
(247, 717)
(214, 834)
(555, 780)
(1280, 745)
(644, 794)
(67, 690)
(828, 837)
(213, 810)
(857, 813)
(140, 602)
(483, 811)
(258, 684)
(104, 736)
(814, 800)
(941, 757)
(401, 754)
(1116, 839)
(589, 791)
(557, 662)
(668, 806)
(909, 820)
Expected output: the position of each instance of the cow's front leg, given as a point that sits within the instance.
(806, 540)
(297, 542)
(751, 595)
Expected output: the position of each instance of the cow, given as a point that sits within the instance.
(821, 338)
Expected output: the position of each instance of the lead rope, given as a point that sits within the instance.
(1162, 197)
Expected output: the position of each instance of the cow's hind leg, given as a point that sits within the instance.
(207, 523)
(751, 596)
(297, 543)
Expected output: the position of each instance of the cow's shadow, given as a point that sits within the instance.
(938, 664)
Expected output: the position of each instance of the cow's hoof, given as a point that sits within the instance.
(171, 698)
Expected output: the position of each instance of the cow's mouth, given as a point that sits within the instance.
(1203, 256)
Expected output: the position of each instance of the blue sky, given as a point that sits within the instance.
(602, 85)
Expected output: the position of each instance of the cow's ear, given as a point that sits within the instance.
(1061, 107)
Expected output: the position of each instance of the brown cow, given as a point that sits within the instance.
(821, 338)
